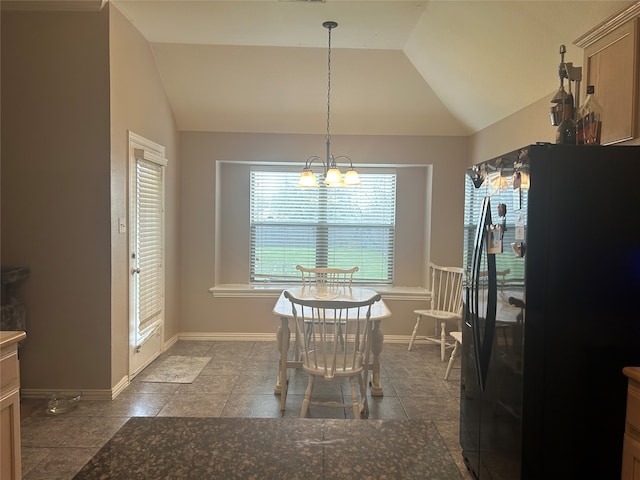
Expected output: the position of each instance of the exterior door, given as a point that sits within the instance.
(146, 252)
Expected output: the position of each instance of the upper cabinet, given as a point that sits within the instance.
(612, 66)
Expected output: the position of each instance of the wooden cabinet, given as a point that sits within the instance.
(10, 463)
(612, 65)
(631, 445)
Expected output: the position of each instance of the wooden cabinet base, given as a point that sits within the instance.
(10, 462)
(10, 465)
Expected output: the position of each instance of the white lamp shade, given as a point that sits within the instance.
(351, 177)
(333, 177)
(307, 179)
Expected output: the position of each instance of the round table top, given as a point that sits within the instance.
(379, 310)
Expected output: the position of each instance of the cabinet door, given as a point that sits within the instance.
(611, 65)
(10, 462)
(630, 459)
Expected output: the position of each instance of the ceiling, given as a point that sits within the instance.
(437, 67)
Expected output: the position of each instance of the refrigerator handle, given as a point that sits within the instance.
(483, 340)
(490, 320)
(473, 299)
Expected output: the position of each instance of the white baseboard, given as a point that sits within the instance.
(260, 337)
(119, 387)
(169, 343)
(396, 339)
(228, 337)
(93, 394)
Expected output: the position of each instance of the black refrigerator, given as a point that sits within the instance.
(551, 311)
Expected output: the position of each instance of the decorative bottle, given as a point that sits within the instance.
(566, 133)
(589, 124)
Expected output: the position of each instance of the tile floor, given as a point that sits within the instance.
(237, 382)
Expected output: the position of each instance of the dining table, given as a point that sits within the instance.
(283, 310)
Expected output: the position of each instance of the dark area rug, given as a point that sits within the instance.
(265, 448)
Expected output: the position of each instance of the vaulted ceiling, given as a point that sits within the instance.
(437, 67)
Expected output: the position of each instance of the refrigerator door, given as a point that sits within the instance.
(478, 331)
(492, 329)
(501, 354)
(581, 320)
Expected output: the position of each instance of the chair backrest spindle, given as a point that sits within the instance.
(446, 288)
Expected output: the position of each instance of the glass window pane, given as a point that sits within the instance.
(335, 227)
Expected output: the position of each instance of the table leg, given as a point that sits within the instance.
(377, 338)
(283, 338)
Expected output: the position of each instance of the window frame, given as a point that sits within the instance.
(228, 230)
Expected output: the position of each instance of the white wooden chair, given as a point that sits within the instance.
(327, 279)
(325, 355)
(327, 282)
(457, 337)
(446, 305)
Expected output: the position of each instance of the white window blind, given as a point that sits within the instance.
(149, 248)
(322, 227)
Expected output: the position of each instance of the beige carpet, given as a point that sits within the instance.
(177, 369)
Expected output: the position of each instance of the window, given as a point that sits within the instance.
(334, 227)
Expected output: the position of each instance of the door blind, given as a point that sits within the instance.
(149, 248)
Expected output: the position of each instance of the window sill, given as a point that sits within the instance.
(246, 290)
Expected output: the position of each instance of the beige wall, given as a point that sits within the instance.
(527, 126)
(69, 95)
(139, 104)
(200, 312)
(55, 191)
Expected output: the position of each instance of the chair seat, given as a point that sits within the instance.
(437, 314)
(337, 366)
(439, 336)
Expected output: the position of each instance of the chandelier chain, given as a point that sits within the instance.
(329, 86)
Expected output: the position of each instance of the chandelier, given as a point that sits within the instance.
(332, 175)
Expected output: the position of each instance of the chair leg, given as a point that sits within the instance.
(307, 397)
(506, 340)
(443, 340)
(364, 412)
(451, 360)
(354, 398)
(415, 332)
